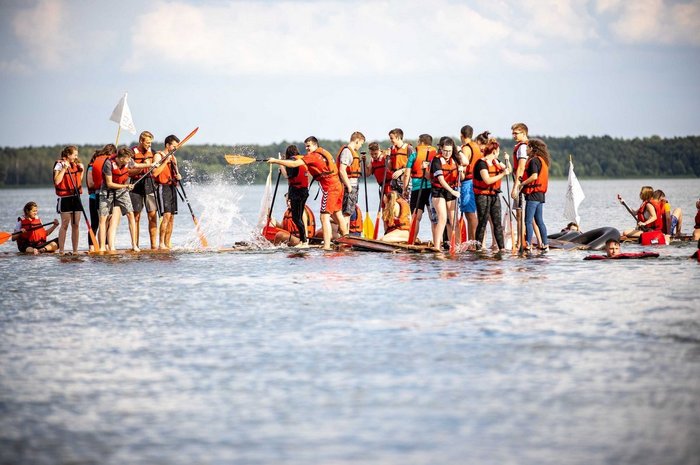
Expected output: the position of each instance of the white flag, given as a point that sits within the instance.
(574, 196)
(122, 116)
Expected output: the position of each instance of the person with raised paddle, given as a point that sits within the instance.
(445, 174)
(115, 200)
(469, 154)
(323, 169)
(297, 194)
(350, 170)
(93, 180)
(646, 216)
(534, 183)
(419, 164)
(167, 176)
(30, 234)
(488, 173)
(398, 155)
(144, 193)
(67, 180)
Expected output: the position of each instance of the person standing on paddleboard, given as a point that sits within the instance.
(398, 155)
(323, 169)
(488, 173)
(534, 184)
(418, 166)
(468, 155)
(167, 177)
(115, 200)
(350, 170)
(445, 172)
(67, 180)
(143, 194)
(297, 193)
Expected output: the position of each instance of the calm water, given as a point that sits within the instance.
(272, 357)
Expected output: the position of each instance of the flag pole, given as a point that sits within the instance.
(116, 143)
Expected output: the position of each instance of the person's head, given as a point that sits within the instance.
(646, 193)
(145, 140)
(658, 195)
(612, 247)
(108, 150)
(311, 144)
(697, 204)
(70, 153)
(425, 139)
(388, 205)
(537, 148)
(447, 147)
(396, 136)
(490, 147)
(374, 150)
(171, 142)
(573, 226)
(291, 152)
(31, 209)
(467, 132)
(356, 140)
(519, 131)
(123, 156)
(483, 139)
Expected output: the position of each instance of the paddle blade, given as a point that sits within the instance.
(375, 233)
(367, 227)
(4, 236)
(463, 230)
(188, 137)
(200, 233)
(413, 232)
(239, 159)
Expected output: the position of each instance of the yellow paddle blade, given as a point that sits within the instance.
(239, 159)
(367, 227)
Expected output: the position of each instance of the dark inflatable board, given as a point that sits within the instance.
(623, 256)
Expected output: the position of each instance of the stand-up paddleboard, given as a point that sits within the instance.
(373, 245)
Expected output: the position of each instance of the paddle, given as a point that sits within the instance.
(183, 196)
(72, 182)
(631, 212)
(272, 204)
(4, 236)
(381, 199)
(367, 226)
(455, 219)
(509, 206)
(167, 155)
(413, 232)
(240, 159)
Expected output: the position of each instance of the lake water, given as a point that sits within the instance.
(280, 357)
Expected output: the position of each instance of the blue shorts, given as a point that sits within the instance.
(467, 201)
(674, 224)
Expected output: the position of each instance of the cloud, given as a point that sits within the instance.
(657, 22)
(42, 33)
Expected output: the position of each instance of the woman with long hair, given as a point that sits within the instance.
(534, 185)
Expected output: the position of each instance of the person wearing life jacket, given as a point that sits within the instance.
(398, 155)
(115, 200)
(378, 167)
(696, 227)
(166, 176)
(297, 193)
(646, 214)
(144, 192)
(534, 184)
(350, 169)
(355, 222)
(469, 154)
(418, 166)
(612, 248)
(671, 219)
(30, 234)
(93, 179)
(308, 222)
(396, 214)
(67, 180)
(488, 173)
(445, 172)
(323, 169)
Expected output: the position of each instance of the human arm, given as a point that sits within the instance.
(294, 163)
(651, 216)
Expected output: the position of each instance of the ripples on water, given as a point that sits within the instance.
(333, 358)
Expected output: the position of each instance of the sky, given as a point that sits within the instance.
(264, 71)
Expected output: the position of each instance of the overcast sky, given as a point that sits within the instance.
(266, 71)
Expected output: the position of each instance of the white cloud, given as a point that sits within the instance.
(658, 21)
(41, 30)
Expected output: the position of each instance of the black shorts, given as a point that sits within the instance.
(167, 198)
(420, 199)
(440, 192)
(68, 204)
(23, 246)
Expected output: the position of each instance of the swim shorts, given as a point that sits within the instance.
(332, 200)
(467, 201)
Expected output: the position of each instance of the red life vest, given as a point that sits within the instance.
(301, 180)
(72, 179)
(168, 175)
(697, 220)
(356, 224)
(354, 170)
(423, 153)
(403, 221)
(540, 185)
(140, 157)
(515, 154)
(35, 236)
(476, 156)
(399, 157)
(288, 224)
(97, 165)
(119, 175)
(379, 171)
(449, 173)
(641, 213)
(658, 225)
(322, 167)
(481, 188)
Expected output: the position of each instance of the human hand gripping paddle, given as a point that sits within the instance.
(631, 212)
(367, 226)
(4, 236)
(167, 155)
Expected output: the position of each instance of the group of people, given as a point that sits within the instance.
(450, 181)
(120, 182)
(656, 215)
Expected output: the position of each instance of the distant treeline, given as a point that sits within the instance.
(599, 157)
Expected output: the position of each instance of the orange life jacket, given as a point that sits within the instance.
(476, 156)
(288, 224)
(300, 180)
(72, 179)
(540, 185)
(322, 167)
(403, 221)
(658, 225)
(423, 153)
(97, 165)
(481, 188)
(354, 170)
(399, 157)
(34, 237)
(119, 175)
(168, 175)
(449, 172)
(140, 157)
(515, 154)
(379, 171)
(355, 225)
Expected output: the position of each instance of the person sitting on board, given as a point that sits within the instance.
(672, 219)
(297, 194)
(67, 180)
(696, 230)
(612, 248)
(287, 231)
(647, 219)
(115, 200)
(445, 172)
(396, 214)
(418, 166)
(349, 171)
(378, 167)
(30, 234)
(322, 167)
(167, 176)
(487, 175)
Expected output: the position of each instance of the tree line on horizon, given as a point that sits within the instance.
(594, 157)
